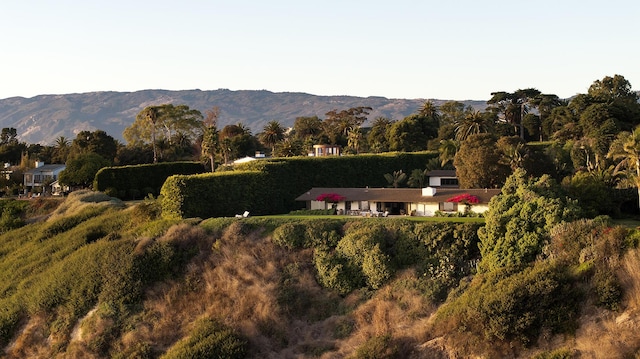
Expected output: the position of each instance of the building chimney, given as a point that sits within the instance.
(428, 192)
(39, 164)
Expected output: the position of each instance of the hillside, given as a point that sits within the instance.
(96, 279)
(42, 119)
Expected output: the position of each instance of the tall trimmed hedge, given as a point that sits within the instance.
(216, 194)
(271, 186)
(125, 182)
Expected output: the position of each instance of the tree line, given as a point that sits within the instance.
(584, 134)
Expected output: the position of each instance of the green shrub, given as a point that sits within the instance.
(608, 289)
(209, 339)
(378, 347)
(507, 306)
(323, 232)
(561, 353)
(290, 235)
(336, 272)
(376, 268)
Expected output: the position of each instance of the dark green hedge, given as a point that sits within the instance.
(126, 182)
(271, 186)
(216, 194)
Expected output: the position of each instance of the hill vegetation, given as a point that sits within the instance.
(91, 277)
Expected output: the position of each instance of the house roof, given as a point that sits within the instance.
(441, 173)
(406, 195)
(47, 168)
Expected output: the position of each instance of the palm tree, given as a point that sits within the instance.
(150, 114)
(626, 148)
(396, 178)
(354, 135)
(473, 123)
(272, 134)
(61, 148)
(447, 150)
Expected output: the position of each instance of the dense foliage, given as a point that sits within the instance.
(138, 181)
(271, 186)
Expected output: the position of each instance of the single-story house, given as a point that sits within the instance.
(415, 201)
(442, 178)
(42, 175)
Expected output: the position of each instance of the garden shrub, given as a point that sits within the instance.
(336, 272)
(209, 339)
(323, 232)
(377, 347)
(514, 306)
(519, 219)
(290, 235)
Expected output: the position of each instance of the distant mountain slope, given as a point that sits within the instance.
(42, 119)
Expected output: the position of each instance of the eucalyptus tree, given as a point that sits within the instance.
(164, 122)
(337, 123)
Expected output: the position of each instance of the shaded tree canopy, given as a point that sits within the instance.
(98, 142)
(479, 163)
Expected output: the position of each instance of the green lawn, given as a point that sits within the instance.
(391, 218)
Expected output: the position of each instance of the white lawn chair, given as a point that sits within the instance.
(244, 215)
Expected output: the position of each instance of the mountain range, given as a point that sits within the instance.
(44, 118)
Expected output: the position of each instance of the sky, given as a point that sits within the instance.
(411, 49)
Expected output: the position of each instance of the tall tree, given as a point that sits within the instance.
(98, 142)
(354, 138)
(61, 149)
(545, 104)
(236, 141)
(163, 122)
(271, 135)
(478, 162)
(513, 106)
(472, 123)
(210, 141)
(337, 123)
(378, 136)
(626, 150)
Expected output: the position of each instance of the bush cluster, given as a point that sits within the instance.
(514, 306)
(209, 339)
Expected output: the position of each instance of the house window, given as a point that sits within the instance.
(28, 178)
(449, 181)
(448, 206)
(364, 205)
(37, 178)
(347, 206)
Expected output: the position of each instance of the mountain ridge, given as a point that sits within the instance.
(43, 118)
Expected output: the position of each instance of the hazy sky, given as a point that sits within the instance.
(455, 50)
